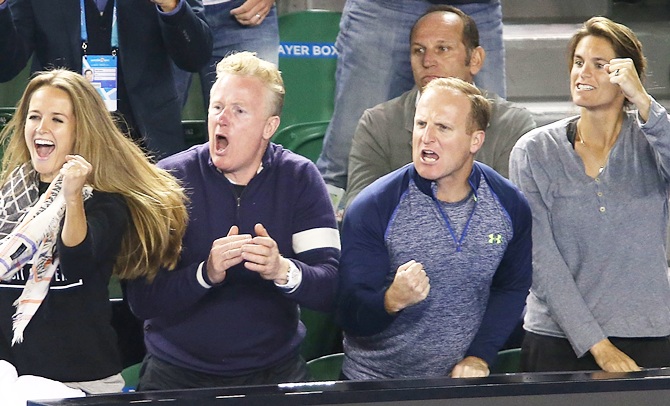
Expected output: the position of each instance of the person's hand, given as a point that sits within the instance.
(470, 367)
(225, 253)
(623, 73)
(262, 255)
(410, 286)
(611, 359)
(166, 6)
(75, 173)
(252, 12)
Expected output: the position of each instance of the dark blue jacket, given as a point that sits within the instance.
(246, 323)
(148, 41)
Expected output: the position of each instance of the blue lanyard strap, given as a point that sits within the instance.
(457, 241)
(84, 31)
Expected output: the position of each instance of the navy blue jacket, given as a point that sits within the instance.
(246, 323)
(148, 42)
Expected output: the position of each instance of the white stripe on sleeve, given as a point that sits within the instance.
(324, 237)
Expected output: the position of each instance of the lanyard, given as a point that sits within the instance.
(457, 241)
(84, 31)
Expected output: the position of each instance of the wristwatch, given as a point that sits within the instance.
(293, 278)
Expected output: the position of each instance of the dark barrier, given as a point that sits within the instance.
(649, 388)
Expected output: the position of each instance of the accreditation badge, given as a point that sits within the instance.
(102, 72)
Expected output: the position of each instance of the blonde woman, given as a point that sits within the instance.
(598, 189)
(80, 202)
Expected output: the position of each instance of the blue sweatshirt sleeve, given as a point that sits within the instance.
(365, 260)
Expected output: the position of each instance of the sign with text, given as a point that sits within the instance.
(307, 50)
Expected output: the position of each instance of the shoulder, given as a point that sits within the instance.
(283, 161)
(509, 195)
(391, 108)
(116, 199)
(549, 136)
(383, 194)
(180, 163)
(507, 111)
(111, 204)
(288, 174)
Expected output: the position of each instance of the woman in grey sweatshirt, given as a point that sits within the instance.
(598, 189)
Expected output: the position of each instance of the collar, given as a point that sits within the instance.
(266, 160)
(425, 185)
(260, 168)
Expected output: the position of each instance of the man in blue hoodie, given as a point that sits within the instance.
(436, 256)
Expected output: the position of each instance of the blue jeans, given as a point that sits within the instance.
(229, 36)
(373, 66)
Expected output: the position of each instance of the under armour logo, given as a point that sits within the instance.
(495, 238)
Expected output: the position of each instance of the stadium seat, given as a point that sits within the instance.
(129, 329)
(508, 361)
(305, 139)
(323, 335)
(131, 375)
(115, 291)
(326, 368)
(195, 132)
(307, 60)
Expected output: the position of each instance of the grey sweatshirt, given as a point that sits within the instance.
(599, 263)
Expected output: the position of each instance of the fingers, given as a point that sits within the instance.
(415, 280)
(622, 72)
(260, 230)
(252, 12)
(267, 267)
(406, 265)
(612, 359)
(258, 254)
(262, 241)
(262, 254)
(470, 367)
(225, 253)
(76, 165)
(620, 364)
(75, 172)
(231, 242)
(617, 70)
(410, 286)
(234, 230)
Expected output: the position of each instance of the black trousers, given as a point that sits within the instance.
(156, 374)
(540, 353)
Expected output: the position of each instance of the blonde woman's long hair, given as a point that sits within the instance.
(155, 199)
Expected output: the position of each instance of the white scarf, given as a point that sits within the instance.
(32, 239)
